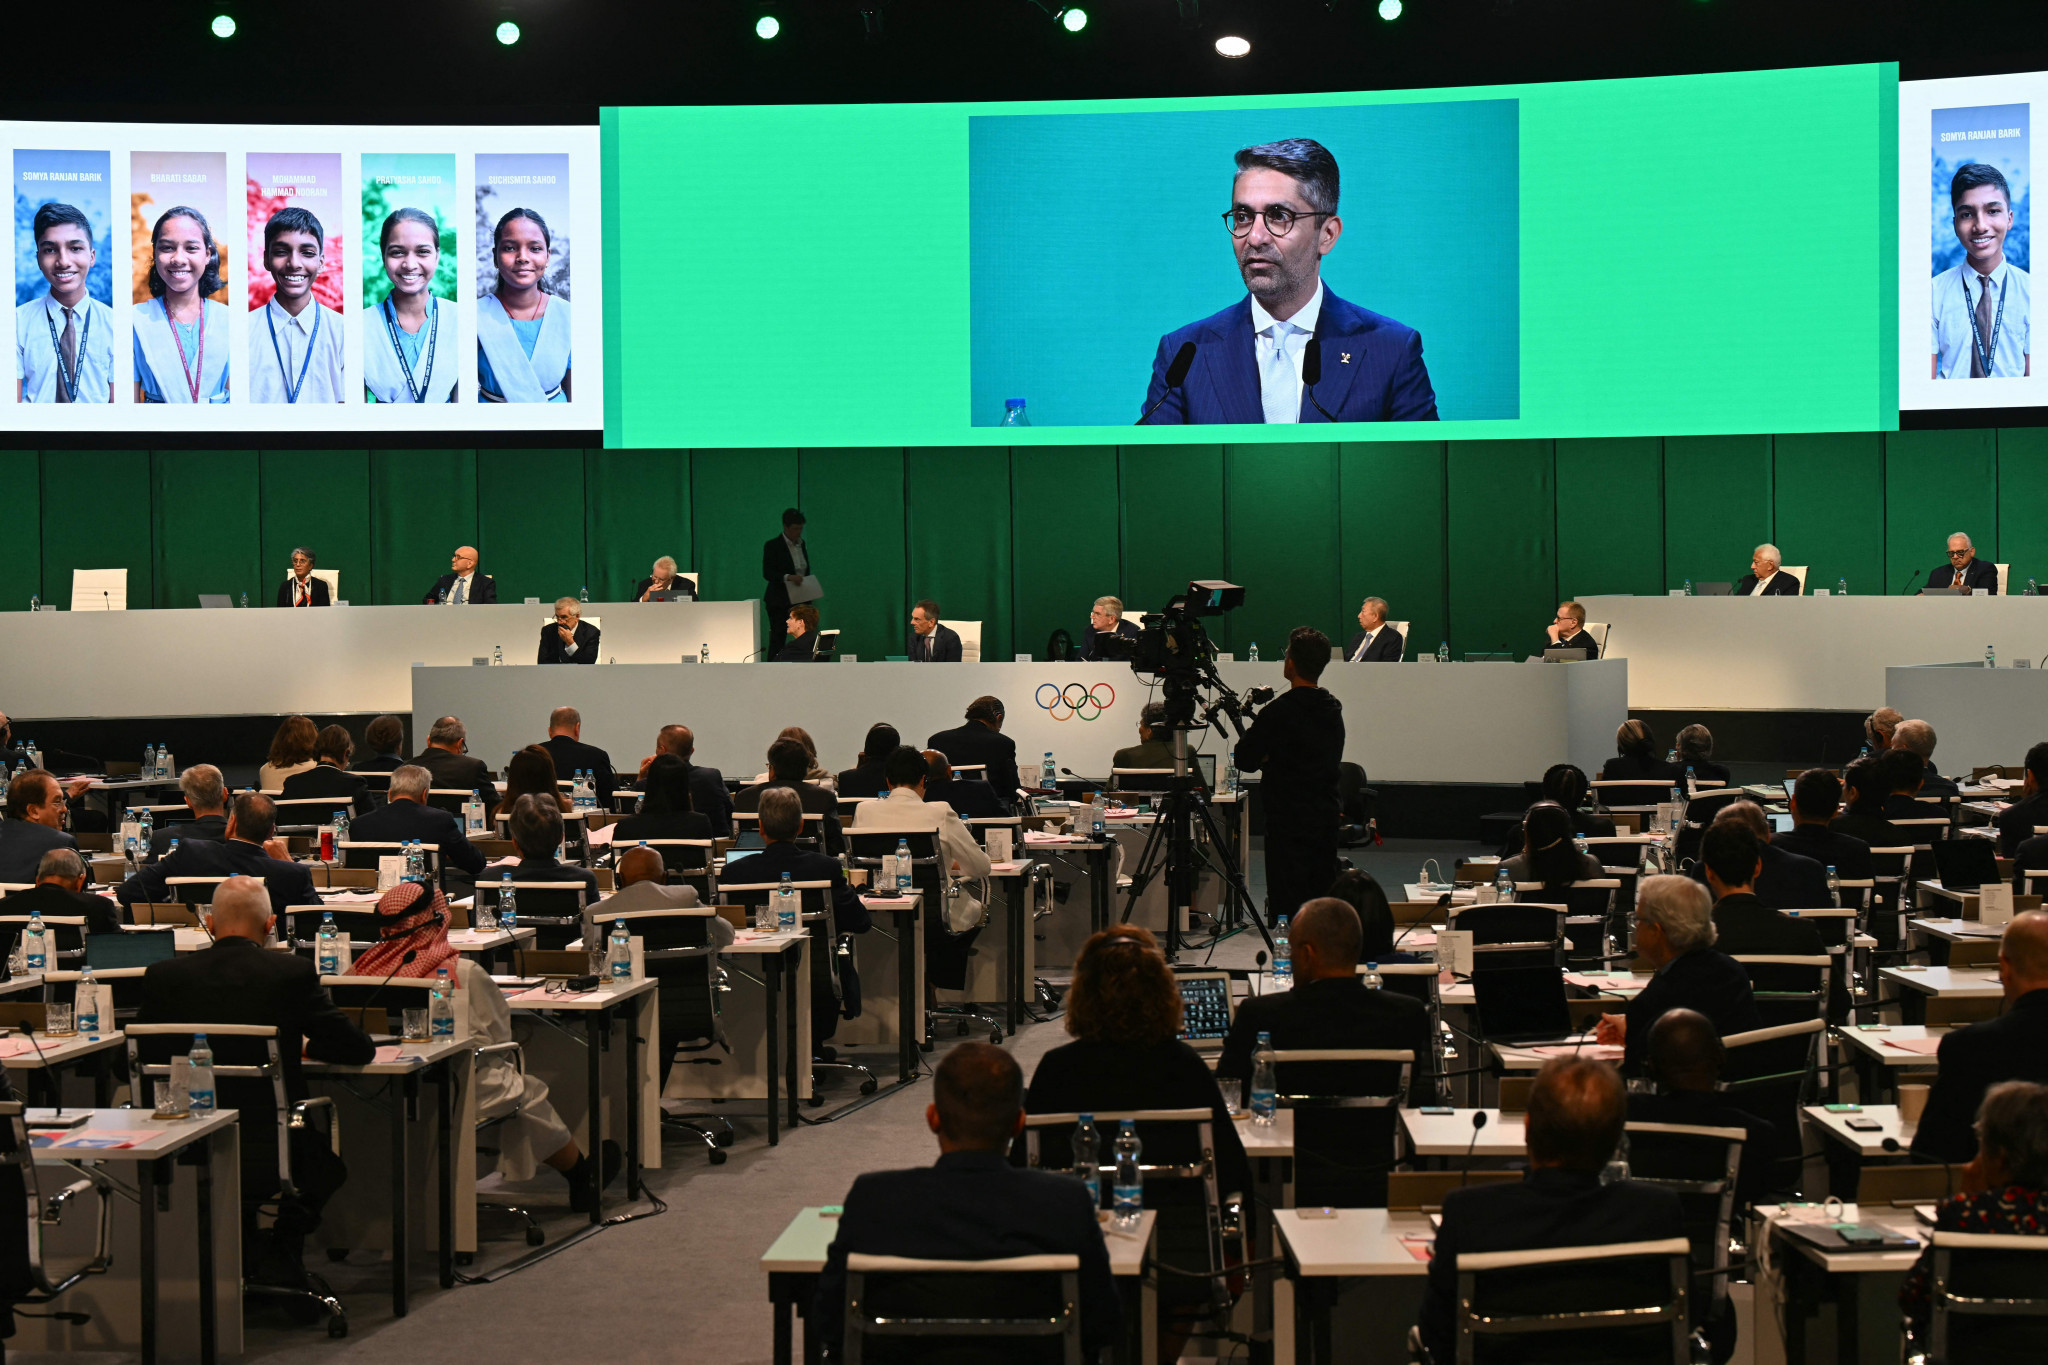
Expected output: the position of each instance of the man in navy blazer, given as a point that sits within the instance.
(1375, 642)
(247, 849)
(930, 642)
(1964, 569)
(1248, 363)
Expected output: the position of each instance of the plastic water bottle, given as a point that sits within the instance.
(441, 1008)
(618, 958)
(1096, 830)
(35, 603)
(1049, 773)
(148, 762)
(1678, 808)
(1841, 587)
(1265, 1089)
(170, 763)
(497, 655)
(1130, 1177)
(135, 853)
(1088, 1158)
(1688, 587)
(1231, 782)
(173, 848)
(199, 1093)
(1252, 655)
(2033, 589)
(163, 760)
(1372, 977)
(1443, 651)
(1616, 1168)
(1671, 756)
(1283, 956)
(584, 594)
(341, 825)
(508, 904)
(37, 942)
(1865, 753)
(245, 599)
(415, 862)
(147, 823)
(1990, 657)
(1014, 414)
(87, 1003)
(704, 652)
(1503, 885)
(1834, 888)
(327, 946)
(903, 866)
(785, 904)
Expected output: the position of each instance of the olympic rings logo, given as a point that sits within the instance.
(1075, 699)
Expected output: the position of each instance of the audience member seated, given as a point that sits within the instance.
(447, 757)
(2004, 1191)
(1675, 939)
(1918, 737)
(1869, 785)
(235, 980)
(973, 1204)
(291, 751)
(1361, 891)
(867, 776)
(981, 740)
(1878, 728)
(1905, 771)
(2016, 822)
(1565, 784)
(537, 833)
(329, 775)
(206, 797)
(971, 799)
(1815, 798)
(1550, 854)
(405, 816)
(708, 796)
(1330, 1005)
(247, 848)
(781, 821)
(665, 811)
(1696, 755)
(34, 825)
(2012, 1047)
(565, 745)
(384, 737)
(814, 773)
(904, 810)
(1686, 1059)
(1787, 881)
(787, 764)
(643, 885)
(529, 772)
(60, 890)
(1577, 1108)
(1154, 748)
(1745, 923)
(801, 646)
(1636, 757)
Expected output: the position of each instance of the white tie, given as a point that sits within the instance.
(1278, 385)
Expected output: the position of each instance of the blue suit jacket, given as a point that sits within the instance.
(1372, 370)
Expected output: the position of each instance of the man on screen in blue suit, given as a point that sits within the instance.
(1247, 363)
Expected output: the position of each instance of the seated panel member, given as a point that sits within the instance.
(1106, 617)
(571, 639)
(2012, 1047)
(1964, 569)
(1765, 578)
(664, 578)
(462, 584)
(708, 796)
(329, 775)
(904, 810)
(1675, 936)
(448, 758)
(1982, 305)
(788, 764)
(1869, 784)
(1568, 631)
(2016, 822)
(867, 775)
(801, 626)
(1785, 880)
(1635, 756)
(406, 816)
(64, 341)
(1248, 358)
(300, 588)
(248, 848)
(1376, 642)
(930, 642)
(970, 798)
(1696, 756)
(1686, 1060)
(296, 352)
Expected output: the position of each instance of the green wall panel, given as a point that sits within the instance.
(1502, 550)
(1282, 531)
(208, 514)
(1937, 483)
(21, 549)
(959, 540)
(531, 518)
(319, 499)
(2023, 505)
(736, 503)
(1610, 516)
(856, 507)
(96, 515)
(636, 509)
(1066, 504)
(1717, 506)
(1173, 524)
(1830, 509)
(423, 505)
(1391, 537)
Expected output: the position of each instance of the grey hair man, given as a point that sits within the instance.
(1675, 937)
(1918, 736)
(1964, 572)
(1106, 622)
(206, 796)
(1766, 577)
(1375, 640)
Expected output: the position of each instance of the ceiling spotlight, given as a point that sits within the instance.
(1073, 20)
(767, 26)
(1230, 45)
(1390, 10)
(223, 25)
(508, 33)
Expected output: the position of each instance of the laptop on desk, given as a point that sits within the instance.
(1522, 1006)
(1206, 1010)
(1966, 864)
(1713, 589)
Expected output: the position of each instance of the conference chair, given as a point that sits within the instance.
(66, 932)
(1517, 934)
(1642, 794)
(305, 814)
(554, 910)
(1408, 637)
(125, 983)
(1987, 1297)
(690, 862)
(833, 949)
(368, 854)
(970, 640)
(680, 957)
(1772, 1073)
(1589, 914)
(1890, 899)
(811, 836)
(1624, 1301)
(1346, 1104)
(1701, 1166)
(1017, 1309)
(946, 951)
(1598, 630)
(36, 1213)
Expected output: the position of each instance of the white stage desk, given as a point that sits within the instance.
(1980, 716)
(1460, 722)
(1807, 653)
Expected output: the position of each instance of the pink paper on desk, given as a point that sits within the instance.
(885, 902)
(387, 1054)
(602, 838)
(1039, 836)
(22, 1047)
(1421, 1248)
(1010, 866)
(1603, 1052)
(1926, 1047)
(507, 861)
(100, 1139)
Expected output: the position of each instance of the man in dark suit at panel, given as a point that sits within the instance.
(206, 798)
(972, 1205)
(930, 642)
(1106, 618)
(406, 817)
(246, 849)
(782, 810)
(462, 584)
(971, 799)
(569, 639)
(447, 757)
(1765, 578)
(981, 740)
(1918, 736)
(788, 761)
(235, 981)
(1568, 631)
(1577, 1108)
(1815, 798)
(708, 796)
(1375, 642)
(300, 588)
(2012, 1047)
(1250, 361)
(785, 560)
(1675, 937)
(60, 891)
(1964, 569)
(565, 745)
(1744, 922)
(329, 775)
(34, 825)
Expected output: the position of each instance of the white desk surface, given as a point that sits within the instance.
(601, 998)
(1262, 1140)
(1505, 1135)
(1836, 1127)
(392, 1059)
(1852, 1262)
(1872, 1043)
(1959, 983)
(1956, 930)
(749, 943)
(18, 985)
(801, 1247)
(1355, 1241)
(17, 1054)
(1528, 1059)
(143, 1138)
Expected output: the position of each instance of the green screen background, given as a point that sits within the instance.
(1670, 285)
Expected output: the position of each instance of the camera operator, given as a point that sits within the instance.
(1297, 742)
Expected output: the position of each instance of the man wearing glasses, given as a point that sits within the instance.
(1568, 631)
(571, 639)
(1964, 570)
(1248, 359)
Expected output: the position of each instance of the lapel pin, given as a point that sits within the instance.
(1347, 357)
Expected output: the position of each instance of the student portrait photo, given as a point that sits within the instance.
(1983, 304)
(298, 335)
(181, 335)
(64, 338)
(409, 347)
(522, 329)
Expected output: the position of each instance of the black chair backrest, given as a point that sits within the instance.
(1606, 1286)
(867, 848)
(1511, 923)
(1970, 1283)
(1017, 1318)
(555, 913)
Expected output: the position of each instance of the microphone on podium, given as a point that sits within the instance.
(1176, 375)
(1478, 1122)
(1312, 373)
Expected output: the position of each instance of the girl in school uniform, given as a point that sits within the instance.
(181, 336)
(409, 347)
(522, 331)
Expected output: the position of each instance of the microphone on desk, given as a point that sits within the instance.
(56, 1087)
(1176, 375)
(1478, 1122)
(1312, 374)
(1909, 580)
(363, 1009)
(1892, 1147)
(107, 598)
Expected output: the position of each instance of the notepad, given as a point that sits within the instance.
(1926, 1047)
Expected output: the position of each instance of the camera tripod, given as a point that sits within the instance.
(1170, 849)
